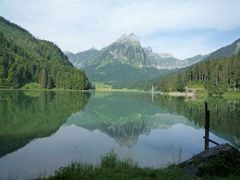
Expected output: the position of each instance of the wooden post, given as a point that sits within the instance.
(207, 127)
(207, 116)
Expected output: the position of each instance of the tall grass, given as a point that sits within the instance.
(111, 167)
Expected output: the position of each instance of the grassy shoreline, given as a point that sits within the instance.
(111, 167)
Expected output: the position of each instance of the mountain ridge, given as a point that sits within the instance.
(150, 59)
(126, 57)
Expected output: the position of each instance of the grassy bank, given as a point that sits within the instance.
(111, 167)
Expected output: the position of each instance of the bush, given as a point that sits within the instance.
(32, 86)
(109, 160)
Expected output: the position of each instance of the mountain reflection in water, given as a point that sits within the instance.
(56, 128)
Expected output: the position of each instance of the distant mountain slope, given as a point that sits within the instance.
(194, 59)
(227, 51)
(167, 61)
(84, 58)
(25, 59)
(126, 60)
(161, 60)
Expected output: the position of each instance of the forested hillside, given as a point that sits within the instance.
(25, 59)
(216, 75)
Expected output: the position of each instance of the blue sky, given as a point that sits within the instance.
(183, 28)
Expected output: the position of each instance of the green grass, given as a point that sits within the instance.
(231, 95)
(32, 86)
(198, 89)
(111, 167)
(201, 94)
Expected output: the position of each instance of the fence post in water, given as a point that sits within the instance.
(207, 115)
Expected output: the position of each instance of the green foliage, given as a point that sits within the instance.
(214, 89)
(195, 85)
(25, 59)
(32, 86)
(231, 95)
(113, 168)
(110, 160)
(180, 86)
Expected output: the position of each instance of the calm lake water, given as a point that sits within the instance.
(43, 131)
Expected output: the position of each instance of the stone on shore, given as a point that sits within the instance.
(222, 160)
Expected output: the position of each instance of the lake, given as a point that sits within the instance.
(41, 131)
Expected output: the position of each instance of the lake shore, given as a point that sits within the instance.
(203, 165)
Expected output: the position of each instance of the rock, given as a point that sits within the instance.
(222, 160)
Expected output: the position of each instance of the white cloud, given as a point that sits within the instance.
(77, 25)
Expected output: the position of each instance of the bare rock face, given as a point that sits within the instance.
(222, 160)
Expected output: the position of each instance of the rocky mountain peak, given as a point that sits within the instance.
(129, 38)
